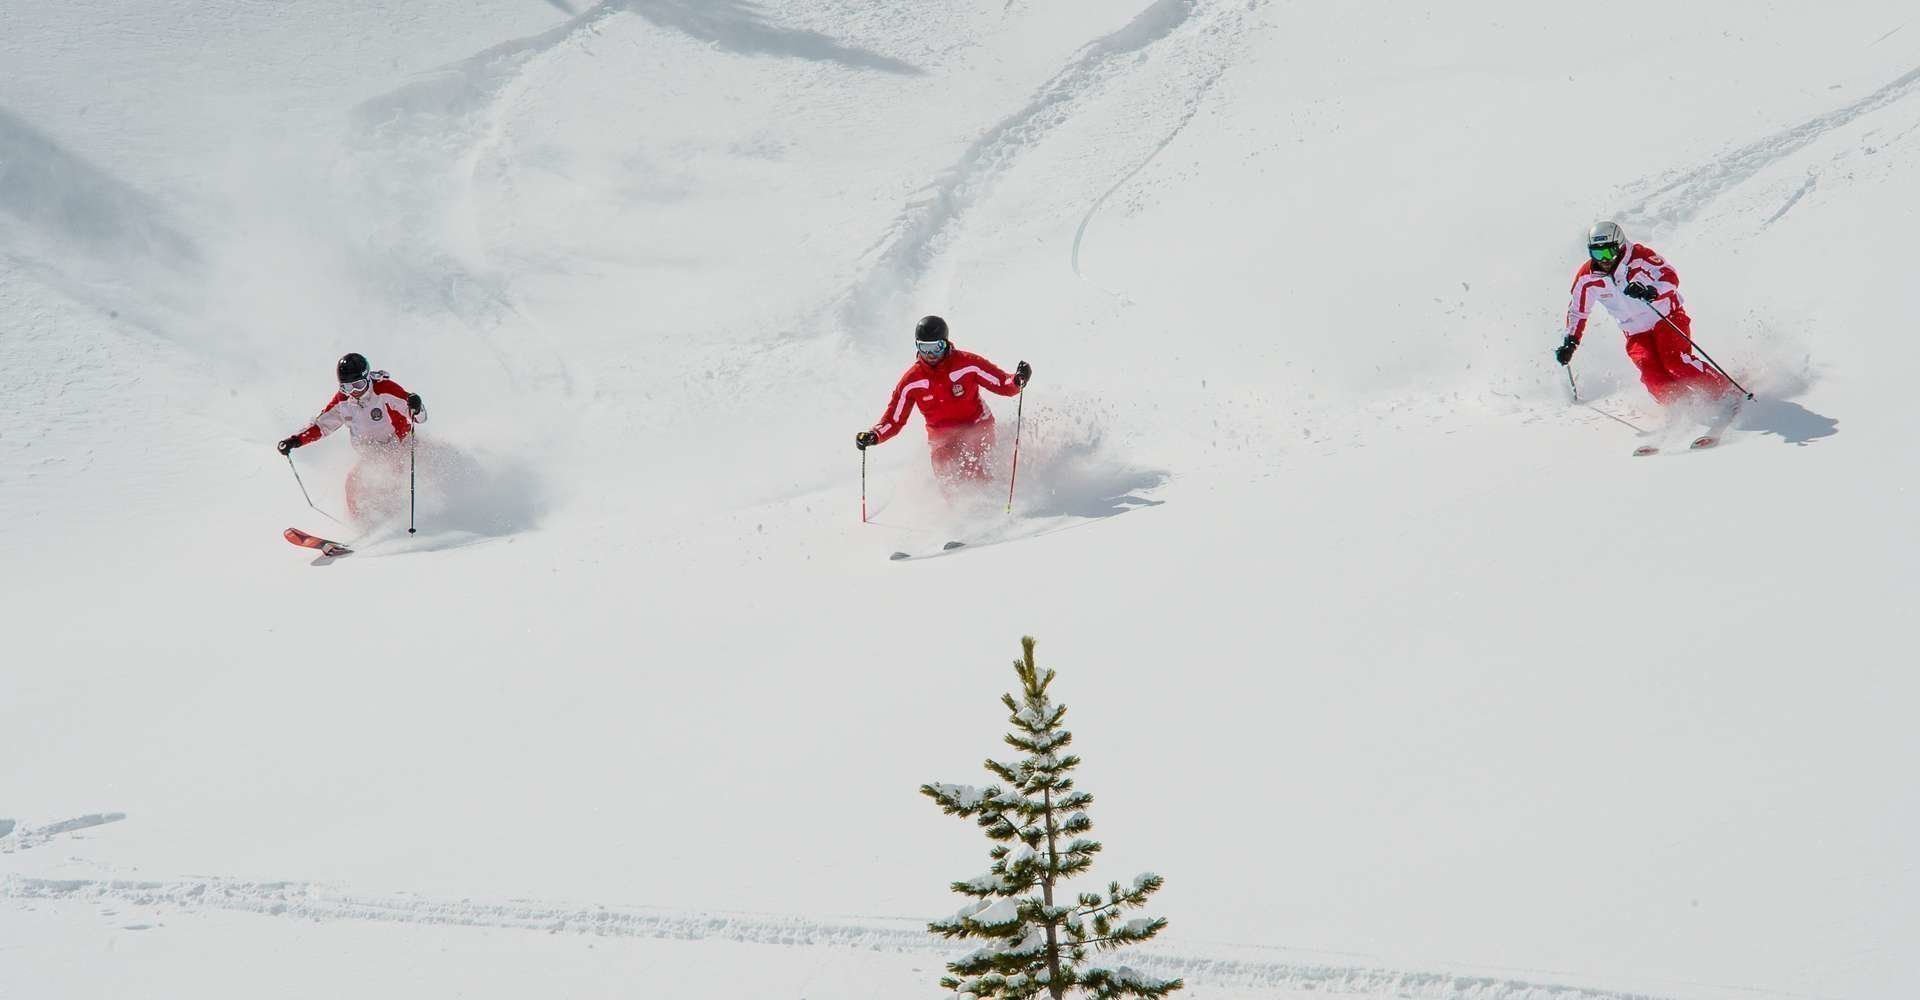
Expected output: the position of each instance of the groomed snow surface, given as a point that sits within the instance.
(1387, 654)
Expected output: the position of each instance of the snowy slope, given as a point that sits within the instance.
(1408, 678)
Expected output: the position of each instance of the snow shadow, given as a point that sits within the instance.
(55, 191)
(737, 26)
(1087, 489)
(460, 499)
(1067, 470)
(1069, 476)
(1787, 420)
(477, 498)
(1784, 371)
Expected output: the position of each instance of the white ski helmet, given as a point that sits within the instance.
(1606, 246)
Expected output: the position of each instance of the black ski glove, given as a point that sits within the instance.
(288, 444)
(1565, 352)
(414, 403)
(1021, 373)
(865, 440)
(1645, 293)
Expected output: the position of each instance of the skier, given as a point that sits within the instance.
(378, 414)
(1631, 281)
(945, 383)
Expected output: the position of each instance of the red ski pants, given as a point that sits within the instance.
(1668, 367)
(962, 454)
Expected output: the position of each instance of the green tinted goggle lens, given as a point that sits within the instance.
(1605, 255)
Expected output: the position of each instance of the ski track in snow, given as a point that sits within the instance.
(468, 85)
(1798, 193)
(310, 901)
(1187, 111)
(904, 254)
(32, 837)
(461, 101)
(1678, 201)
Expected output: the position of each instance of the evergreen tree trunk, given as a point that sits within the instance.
(1054, 986)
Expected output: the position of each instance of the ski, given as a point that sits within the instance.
(1661, 440)
(1712, 435)
(327, 547)
(949, 547)
(1708, 438)
(1701, 443)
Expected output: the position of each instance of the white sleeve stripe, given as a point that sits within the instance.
(900, 408)
(1581, 306)
(977, 370)
(330, 419)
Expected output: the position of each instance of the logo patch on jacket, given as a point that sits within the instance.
(957, 390)
(379, 413)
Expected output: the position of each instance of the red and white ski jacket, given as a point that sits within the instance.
(1633, 315)
(948, 394)
(379, 416)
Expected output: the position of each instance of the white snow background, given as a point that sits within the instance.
(1409, 679)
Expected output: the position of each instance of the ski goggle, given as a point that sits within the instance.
(1606, 255)
(931, 349)
(357, 386)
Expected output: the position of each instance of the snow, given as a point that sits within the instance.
(966, 796)
(967, 912)
(985, 883)
(1305, 520)
(1124, 976)
(998, 913)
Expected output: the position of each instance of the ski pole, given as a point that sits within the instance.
(303, 491)
(1572, 385)
(413, 452)
(1019, 409)
(1695, 348)
(863, 486)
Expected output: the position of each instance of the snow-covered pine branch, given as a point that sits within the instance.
(1110, 984)
(1033, 945)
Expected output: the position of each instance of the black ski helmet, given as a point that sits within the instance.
(352, 368)
(930, 328)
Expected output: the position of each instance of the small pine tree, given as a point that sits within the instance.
(1033, 944)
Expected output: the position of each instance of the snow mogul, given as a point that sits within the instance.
(944, 382)
(379, 415)
(1632, 281)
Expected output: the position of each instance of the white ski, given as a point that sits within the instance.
(949, 547)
